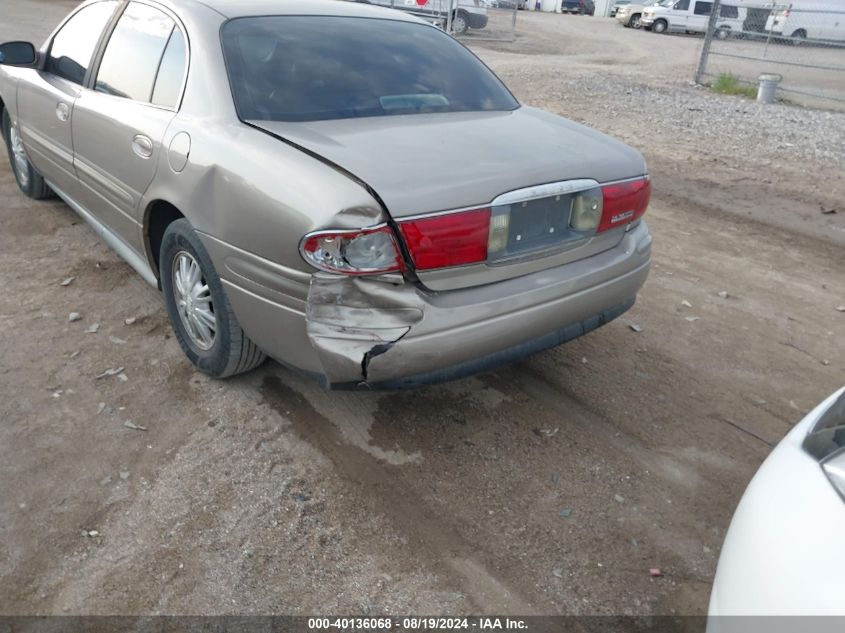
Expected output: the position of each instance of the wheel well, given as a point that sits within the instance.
(160, 214)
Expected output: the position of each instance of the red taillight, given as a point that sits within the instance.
(624, 202)
(452, 239)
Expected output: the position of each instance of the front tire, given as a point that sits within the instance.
(660, 26)
(634, 22)
(200, 313)
(29, 180)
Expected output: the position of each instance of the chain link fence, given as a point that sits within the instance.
(801, 45)
(471, 19)
(501, 21)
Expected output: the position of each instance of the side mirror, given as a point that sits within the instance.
(17, 54)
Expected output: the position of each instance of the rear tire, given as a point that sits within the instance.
(460, 23)
(799, 37)
(30, 182)
(723, 34)
(660, 26)
(217, 345)
(634, 22)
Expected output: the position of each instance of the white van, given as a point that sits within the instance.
(809, 20)
(693, 16)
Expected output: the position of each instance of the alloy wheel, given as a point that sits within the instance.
(193, 301)
(21, 162)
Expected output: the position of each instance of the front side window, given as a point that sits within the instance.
(703, 8)
(682, 5)
(134, 53)
(73, 47)
(313, 68)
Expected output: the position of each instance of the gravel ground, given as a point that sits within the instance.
(551, 486)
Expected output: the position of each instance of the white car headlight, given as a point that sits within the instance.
(826, 442)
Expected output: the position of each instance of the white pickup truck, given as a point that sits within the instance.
(467, 14)
(693, 16)
(630, 14)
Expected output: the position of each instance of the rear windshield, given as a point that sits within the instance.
(314, 68)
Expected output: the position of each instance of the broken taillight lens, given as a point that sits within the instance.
(367, 251)
(451, 239)
(624, 202)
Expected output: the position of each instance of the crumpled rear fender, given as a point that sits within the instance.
(350, 320)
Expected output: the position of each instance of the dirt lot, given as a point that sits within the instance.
(266, 494)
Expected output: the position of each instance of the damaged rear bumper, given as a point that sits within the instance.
(562, 335)
(367, 332)
(383, 336)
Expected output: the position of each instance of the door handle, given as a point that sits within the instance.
(62, 112)
(142, 146)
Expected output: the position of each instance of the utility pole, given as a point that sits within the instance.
(708, 40)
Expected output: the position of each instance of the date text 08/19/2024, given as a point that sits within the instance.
(416, 624)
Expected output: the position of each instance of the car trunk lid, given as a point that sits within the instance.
(425, 164)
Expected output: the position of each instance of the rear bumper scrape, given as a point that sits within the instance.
(350, 321)
(508, 355)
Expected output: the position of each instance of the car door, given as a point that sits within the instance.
(46, 97)
(119, 125)
(699, 17)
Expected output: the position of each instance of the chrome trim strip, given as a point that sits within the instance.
(535, 192)
(544, 191)
(132, 258)
(319, 232)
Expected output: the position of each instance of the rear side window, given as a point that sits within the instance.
(72, 48)
(313, 68)
(728, 11)
(134, 53)
(703, 8)
(171, 73)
